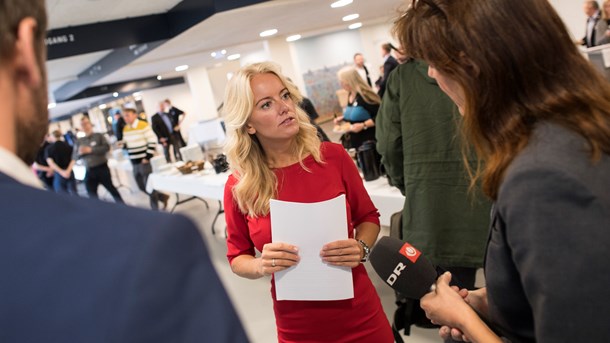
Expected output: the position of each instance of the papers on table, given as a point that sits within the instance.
(309, 226)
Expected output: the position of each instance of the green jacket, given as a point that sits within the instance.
(417, 137)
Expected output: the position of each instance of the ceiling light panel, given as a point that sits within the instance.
(351, 17)
(341, 3)
(293, 38)
(268, 33)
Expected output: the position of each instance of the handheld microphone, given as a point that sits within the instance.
(403, 267)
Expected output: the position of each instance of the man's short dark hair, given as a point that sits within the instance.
(357, 54)
(12, 12)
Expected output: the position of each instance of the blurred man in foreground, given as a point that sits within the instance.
(82, 270)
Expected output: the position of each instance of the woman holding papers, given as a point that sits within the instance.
(274, 153)
(538, 116)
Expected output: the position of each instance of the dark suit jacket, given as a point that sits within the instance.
(175, 114)
(159, 127)
(78, 270)
(389, 65)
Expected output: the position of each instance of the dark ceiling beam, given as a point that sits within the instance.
(78, 40)
(107, 65)
(130, 38)
(128, 86)
(123, 88)
(82, 39)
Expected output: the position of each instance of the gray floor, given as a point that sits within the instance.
(252, 298)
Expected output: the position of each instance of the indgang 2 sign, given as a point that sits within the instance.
(63, 39)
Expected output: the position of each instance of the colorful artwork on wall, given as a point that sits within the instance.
(321, 86)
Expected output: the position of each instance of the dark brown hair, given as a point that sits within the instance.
(12, 12)
(517, 66)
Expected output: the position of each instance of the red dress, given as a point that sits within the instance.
(360, 319)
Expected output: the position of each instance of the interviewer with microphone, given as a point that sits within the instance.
(538, 116)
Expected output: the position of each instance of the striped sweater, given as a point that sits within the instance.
(140, 141)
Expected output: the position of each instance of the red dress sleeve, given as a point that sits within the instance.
(238, 236)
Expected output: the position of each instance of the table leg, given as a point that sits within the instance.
(220, 211)
(178, 202)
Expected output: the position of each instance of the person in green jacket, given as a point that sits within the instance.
(417, 137)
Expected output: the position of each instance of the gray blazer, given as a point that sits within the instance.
(599, 34)
(547, 267)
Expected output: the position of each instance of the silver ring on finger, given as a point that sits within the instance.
(272, 262)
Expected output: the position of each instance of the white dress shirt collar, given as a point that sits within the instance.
(134, 125)
(14, 167)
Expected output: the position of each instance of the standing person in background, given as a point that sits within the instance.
(92, 149)
(140, 142)
(361, 68)
(77, 270)
(379, 79)
(44, 172)
(362, 107)
(595, 32)
(118, 123)
(606, 17)
(542, 137)
(310, 109)
(162, 126)
(177, 116)
(416, 137)
(389, 63)
(59, 157)
(274, 153)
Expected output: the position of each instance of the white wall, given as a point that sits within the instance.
(254, 57)
(339, 47)
(218, 79)
(331, 49)
(571, 12)
(372, 38)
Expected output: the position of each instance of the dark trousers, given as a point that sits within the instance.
(174, 140)
(101, 175)
(47, 181)
(177, 142)
(140, 173)
(63, 185)
(462, 277)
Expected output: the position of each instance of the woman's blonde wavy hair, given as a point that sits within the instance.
(350, 76)
(256, 182)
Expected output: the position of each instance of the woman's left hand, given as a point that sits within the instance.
(346, 252)
(446, 305)
(357, 127)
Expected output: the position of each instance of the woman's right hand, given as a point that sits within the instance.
(277, 256)
(477, 299)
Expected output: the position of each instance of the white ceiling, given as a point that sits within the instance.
(236, 31)
(64, 13)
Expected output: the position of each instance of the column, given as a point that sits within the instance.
(204, 104)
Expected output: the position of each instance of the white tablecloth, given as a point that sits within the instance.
(122, 173)
(208, 185)
(203, 184)
(386, 198)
